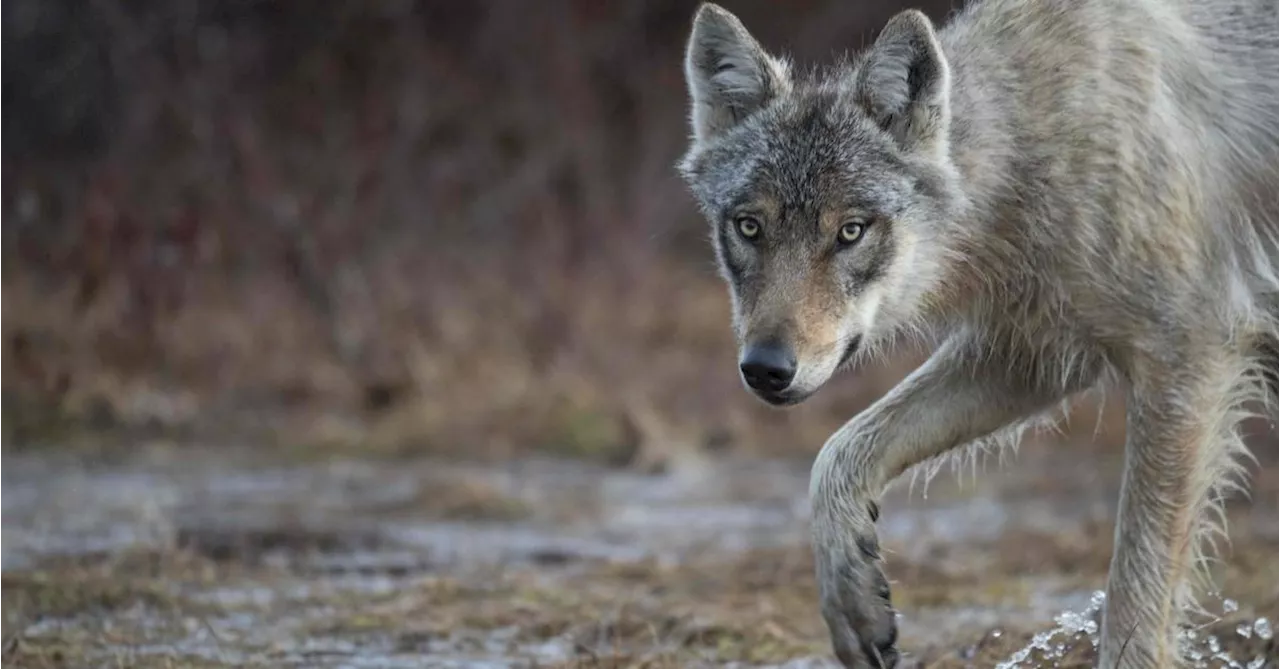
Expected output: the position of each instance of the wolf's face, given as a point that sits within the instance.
(823, 195)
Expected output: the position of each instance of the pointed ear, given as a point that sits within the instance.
(728, 74)
(904, 83)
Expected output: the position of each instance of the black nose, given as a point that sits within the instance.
(768, 367)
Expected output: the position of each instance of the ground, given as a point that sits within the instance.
(183, 556)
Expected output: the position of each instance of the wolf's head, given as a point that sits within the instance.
(826, 194)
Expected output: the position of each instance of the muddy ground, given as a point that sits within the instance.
(177, 556)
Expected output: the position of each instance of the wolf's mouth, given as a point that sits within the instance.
(849, 350)
(782, 399)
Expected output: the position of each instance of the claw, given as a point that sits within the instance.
(869, 547)
(885, 656)
(875, 655)
(887, 659)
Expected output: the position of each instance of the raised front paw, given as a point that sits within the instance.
(855, 596)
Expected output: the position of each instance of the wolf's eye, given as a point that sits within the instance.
(851, 232)
(748, 227)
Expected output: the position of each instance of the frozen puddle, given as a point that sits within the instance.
(368, 514)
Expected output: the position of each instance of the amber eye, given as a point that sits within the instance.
(748, 227)
(851, 232)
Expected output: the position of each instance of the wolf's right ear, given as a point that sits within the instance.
(729, 75)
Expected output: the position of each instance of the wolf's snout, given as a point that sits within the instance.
(768, 368)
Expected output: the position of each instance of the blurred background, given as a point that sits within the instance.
(382, 330)
(394, 225)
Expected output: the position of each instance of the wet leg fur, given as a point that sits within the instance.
(1183, 457)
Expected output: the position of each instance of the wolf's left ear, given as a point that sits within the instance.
(904, 83)
(729, 75)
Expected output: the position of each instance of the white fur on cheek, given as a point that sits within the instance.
(894, 282)
(870, 305)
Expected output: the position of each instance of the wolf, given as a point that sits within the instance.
(1064, 196)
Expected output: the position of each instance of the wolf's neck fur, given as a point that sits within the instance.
(988, 255)
(983, 95)
(983, 156)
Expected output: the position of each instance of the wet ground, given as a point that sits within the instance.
(218, 557)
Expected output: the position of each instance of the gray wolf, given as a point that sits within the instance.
(1065, 196)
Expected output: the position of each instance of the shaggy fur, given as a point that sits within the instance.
(1068, 195)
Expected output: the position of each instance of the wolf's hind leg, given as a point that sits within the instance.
(1180, 460)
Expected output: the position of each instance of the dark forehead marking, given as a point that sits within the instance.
(814, 150)
(819, 143)
(805, 150)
